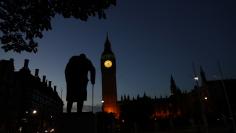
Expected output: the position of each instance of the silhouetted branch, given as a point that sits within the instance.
(22, 21)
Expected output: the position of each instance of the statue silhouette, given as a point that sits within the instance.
(76, 73)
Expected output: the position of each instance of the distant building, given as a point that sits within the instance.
(26, 102)
(183, 109)
(157, 108)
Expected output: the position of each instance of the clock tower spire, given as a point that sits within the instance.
(107, 46)
(109, 88)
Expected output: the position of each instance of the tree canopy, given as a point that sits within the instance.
(22, 21)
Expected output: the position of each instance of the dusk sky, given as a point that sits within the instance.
(151, 40)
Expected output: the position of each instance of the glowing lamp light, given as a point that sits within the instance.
(102, 101)
(196, 78)
(123, 121)
(205, 98)
(52, 130)
(20, 129)
(34, 112)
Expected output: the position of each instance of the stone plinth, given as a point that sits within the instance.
(76, 123)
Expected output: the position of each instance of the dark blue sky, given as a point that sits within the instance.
(151, 40)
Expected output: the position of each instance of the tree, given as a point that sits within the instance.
(22, 21)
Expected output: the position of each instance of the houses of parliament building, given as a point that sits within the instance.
(210, 103)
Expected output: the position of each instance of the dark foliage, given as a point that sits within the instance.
(22, 21)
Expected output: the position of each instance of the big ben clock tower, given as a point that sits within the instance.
(109, 90)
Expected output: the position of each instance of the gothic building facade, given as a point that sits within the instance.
(211, 103)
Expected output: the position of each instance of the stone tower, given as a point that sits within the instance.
(109, 88)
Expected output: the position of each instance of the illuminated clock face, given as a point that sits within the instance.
(107, 63)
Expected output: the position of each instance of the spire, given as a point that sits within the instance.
(173, 87)
(107, 44)
(203, 76)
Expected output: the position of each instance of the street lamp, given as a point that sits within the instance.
(34, 112)
(196, 78)
(205, 124)
(20, 129)
(26, 112)
(52, 130)
(102, 105)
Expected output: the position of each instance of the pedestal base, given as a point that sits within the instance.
(76, 123)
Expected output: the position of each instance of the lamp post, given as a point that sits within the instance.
(102, 105)
(204, 120)
(34, 112)
(92, 96)
(205, 124)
